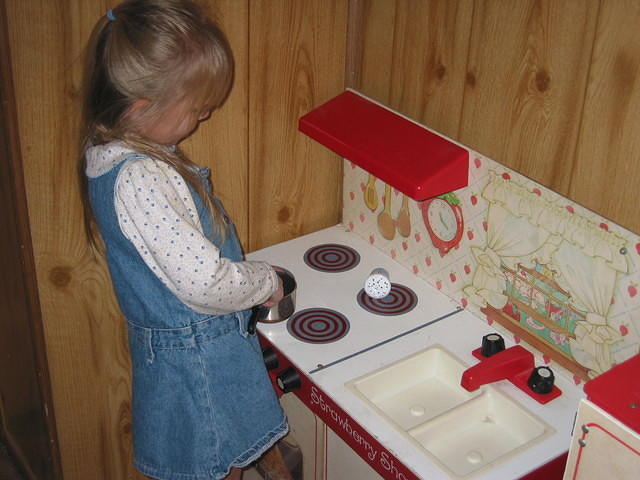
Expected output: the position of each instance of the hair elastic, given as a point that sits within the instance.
(110, 15)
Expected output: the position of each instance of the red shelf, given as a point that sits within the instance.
(404, 154)
(617, 391)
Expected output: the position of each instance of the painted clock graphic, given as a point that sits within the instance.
(443, 218)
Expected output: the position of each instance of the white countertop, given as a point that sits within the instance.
(459, 332)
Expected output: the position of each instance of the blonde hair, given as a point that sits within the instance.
(163, 51)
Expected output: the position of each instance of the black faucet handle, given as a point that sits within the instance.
(492, 343)
(541, 380)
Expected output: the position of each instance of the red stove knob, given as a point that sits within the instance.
(270, 358)
(288, 380)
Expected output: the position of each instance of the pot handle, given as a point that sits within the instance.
(258, 313)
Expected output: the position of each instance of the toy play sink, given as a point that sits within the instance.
(479, 432)
(463, 431)
(416, 388)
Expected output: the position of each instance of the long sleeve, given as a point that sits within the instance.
(157, 214)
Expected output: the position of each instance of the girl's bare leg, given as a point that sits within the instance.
(234, 474)
(272, 462)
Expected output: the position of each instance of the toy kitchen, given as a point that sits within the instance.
(461, 321)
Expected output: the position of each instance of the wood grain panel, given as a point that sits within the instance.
(549, 88)
(414, 58)
(527, 72)
(83, 331)
(221, 142)
(371, 44)
(607, 167)
(297, 56)
(27, 423)
(434, 50)
(525, 101)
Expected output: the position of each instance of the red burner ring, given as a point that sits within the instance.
(400, 300)
(331, 257)
(318, 325)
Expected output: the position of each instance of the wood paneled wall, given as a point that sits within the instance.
(546, 87)
(549, 88)
(275, 183)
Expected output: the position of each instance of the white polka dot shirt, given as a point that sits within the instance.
(157, 214)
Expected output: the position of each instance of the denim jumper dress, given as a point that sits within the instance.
(202, 400)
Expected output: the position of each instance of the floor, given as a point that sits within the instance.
(8, 470)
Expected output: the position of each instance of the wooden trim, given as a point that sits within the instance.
(10, 145)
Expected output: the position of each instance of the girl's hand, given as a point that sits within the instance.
(278, 294)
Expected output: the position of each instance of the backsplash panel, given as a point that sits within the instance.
(546, 270)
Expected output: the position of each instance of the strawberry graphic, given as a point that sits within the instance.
(467, 269)
(537, 191)
(415, 269)
(632, 290)
(569, 209)
(427, 260)
(405, 246)
(371, 239)
(417, 237)
(485, 225)
(473, 199)
(604, 226)
(352, 195)
(470, 237)
(506, 176)
(477, 162)
(638, 248)
(452, 277)
(624, 331)
(438, 284)
(463, 302)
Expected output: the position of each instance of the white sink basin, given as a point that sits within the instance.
(462, 431)
(479, 432)
(416, 388)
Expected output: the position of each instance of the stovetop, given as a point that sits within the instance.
(337, 335)
(334, 318)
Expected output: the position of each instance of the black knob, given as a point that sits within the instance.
(270, 358)
(541, 380)
(491, 344)
(288, 380)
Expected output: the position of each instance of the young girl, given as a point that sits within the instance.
(203, 406)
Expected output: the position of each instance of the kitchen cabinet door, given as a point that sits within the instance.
(343, 462)
(306, 431)
(602, 447)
